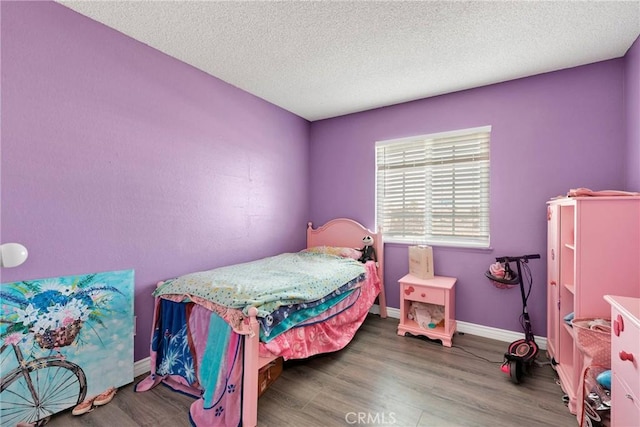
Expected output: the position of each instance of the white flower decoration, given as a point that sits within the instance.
(28, 315)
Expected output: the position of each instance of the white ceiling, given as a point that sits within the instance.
(321, 59)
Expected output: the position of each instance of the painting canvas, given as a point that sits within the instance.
(63, 340)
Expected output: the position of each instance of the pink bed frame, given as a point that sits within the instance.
(341, 232)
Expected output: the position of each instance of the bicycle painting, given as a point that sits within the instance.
(62, 340)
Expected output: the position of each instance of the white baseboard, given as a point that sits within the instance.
(497, 334)
(474, 329)
(141, 367)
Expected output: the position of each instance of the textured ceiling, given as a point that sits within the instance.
(321, 59)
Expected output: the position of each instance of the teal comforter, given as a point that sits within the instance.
(269, 283)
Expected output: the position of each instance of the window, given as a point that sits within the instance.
(434, 189)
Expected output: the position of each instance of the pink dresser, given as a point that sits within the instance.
(625, 360)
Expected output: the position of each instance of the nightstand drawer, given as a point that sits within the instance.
(423, 294)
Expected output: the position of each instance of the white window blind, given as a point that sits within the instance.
(434, 189)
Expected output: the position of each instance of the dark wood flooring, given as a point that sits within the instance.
(379, 379)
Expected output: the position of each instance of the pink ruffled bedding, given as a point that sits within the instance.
(331, 334)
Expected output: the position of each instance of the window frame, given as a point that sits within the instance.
(451, 240)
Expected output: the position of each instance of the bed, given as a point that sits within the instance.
(211, 341)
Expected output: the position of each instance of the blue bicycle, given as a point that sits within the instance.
(39, 388)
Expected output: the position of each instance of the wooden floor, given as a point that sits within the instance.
(379, 379)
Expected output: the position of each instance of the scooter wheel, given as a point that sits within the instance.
(515, 371)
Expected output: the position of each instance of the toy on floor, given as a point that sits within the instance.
(604, 379)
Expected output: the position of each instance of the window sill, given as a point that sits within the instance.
(443, 247)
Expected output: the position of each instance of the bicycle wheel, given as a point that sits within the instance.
(41, 389)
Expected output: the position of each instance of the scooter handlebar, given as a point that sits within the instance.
(524, 258)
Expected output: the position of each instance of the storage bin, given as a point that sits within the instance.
(268, 374)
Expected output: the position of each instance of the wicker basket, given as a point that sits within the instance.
(60, 337)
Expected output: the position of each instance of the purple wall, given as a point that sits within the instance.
(632, 105)
(116, 156)
(550, 133)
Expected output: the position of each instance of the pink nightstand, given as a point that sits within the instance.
(440, 291)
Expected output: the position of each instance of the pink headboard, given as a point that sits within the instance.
(348, 233)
